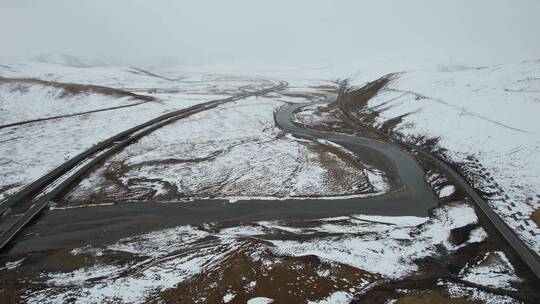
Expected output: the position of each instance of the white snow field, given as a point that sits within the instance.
(25, 100)
(29, 151)
(234, 152)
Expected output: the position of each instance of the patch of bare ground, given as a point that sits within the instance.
(9, 295)
(535, 216)
(252, 272)
(339, 174)
(70, 89)
(357, 99)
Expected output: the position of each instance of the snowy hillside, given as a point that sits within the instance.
(487, 120)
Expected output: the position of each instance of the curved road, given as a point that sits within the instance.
(401, 168)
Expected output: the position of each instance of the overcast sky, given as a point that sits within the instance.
(191, 32)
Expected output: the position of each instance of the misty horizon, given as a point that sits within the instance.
(322, 32)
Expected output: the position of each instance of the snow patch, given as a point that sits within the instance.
(338, 297)
(260, 300)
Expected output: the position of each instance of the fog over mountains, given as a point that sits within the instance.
(199, 32)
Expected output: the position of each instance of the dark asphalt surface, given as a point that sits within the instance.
(99, 224)
(401, 169)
